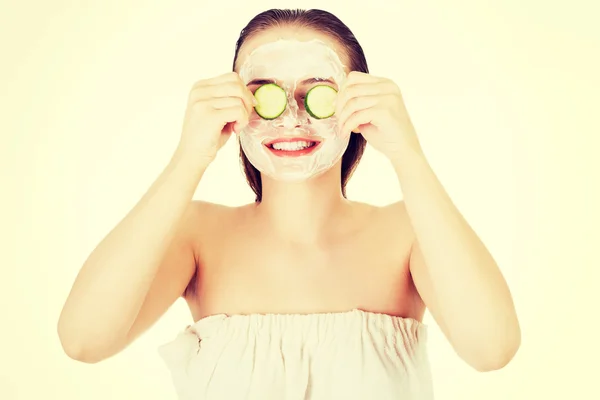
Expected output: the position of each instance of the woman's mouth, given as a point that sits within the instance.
(292, 147)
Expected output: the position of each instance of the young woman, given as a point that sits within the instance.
(304, 293)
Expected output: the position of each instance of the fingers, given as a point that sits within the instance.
(235, 115)
(227, 85)
(359, 93)
(356, 120)
(354, 90)
(361, 99)
(225, 90)
(359, 78)
(221, 103)
(233, 90)
(356, 104)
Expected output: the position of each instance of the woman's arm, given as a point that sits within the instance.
(113, 298)
(454, 273)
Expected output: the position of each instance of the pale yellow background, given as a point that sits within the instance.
(505, 99)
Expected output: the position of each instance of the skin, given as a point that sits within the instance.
(305, 249)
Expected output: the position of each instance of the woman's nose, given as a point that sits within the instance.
(289, 121)
(291, 117)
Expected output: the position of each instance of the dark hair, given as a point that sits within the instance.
(326, 23)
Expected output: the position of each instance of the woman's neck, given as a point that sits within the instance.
(302, 212)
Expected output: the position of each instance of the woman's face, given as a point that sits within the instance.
(296, 60)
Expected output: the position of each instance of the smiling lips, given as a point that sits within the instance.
(292, 147)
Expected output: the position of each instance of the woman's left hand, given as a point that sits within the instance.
(374, 107)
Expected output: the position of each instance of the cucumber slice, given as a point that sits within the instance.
(319, 101)
(272, 101)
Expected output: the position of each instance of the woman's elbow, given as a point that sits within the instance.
(84, 351)
(499, 355)
(78, 354)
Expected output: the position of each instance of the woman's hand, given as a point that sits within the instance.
(374, 107)
(216, 107)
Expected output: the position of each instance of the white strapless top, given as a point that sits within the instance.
(346, 355)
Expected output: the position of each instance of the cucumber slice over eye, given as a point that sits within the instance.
(272, 101)
(319, 101)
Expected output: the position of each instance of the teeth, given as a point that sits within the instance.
(291, 146)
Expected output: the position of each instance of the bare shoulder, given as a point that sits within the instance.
(388, 238)
(208, 219)
(209, 226)
(207, 209)
(395, 217)
(391, 220)
(213, 224)
(394, 210)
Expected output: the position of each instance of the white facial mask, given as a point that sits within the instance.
(288, 63)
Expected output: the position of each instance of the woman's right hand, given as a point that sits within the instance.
(216, 107)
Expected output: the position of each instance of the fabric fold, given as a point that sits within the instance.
(346, 355)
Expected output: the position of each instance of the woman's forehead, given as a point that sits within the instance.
(283, 35)
(291, 61)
